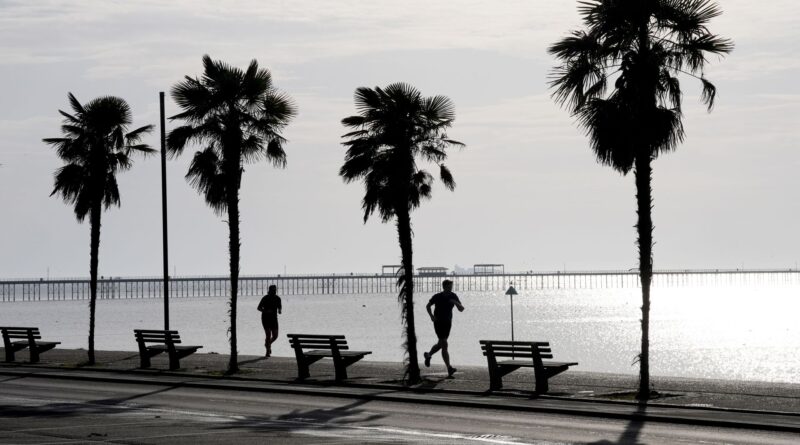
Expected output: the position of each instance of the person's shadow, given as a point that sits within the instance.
(632, 431)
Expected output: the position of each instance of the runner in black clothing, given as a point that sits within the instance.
(270, 307)
(442, 317)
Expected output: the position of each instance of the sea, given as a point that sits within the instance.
(732, 333)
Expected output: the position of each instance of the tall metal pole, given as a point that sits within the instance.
(512, 317)
(164, 209)
(511, 292)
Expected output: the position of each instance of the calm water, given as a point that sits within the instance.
(727, 333)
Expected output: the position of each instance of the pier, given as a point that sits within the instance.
(364, 283)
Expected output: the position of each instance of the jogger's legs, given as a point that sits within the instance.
(442, 344)
(272, 335)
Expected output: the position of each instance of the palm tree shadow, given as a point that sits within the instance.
(120, 400)
(78, 409)
(11, 378)
(632, 431)
(318, 419)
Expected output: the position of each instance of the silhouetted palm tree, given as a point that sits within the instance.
(395, 127)
(639, 47)
(236, 116)
(96, 145)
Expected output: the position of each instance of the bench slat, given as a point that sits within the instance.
(324, 353)
(527, 364)
(154, 331)
(314, 336)
(509, 342)
(518, 348)
(319, 345)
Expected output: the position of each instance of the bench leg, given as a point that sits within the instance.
(144, 360)
(495, 379)
(10, 354)
(34, 354)
(174, 362)
(541, 377)
(541, 385)
(302, 369)
(341, 370)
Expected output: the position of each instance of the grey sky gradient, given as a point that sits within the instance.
(529, 192)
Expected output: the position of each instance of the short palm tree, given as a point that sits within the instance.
(95, 146)
(236, 117)
(640, 48)
(395, 128)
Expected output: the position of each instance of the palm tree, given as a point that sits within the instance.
(643, 46)
(395, 127)
(96, 145)
(236, 116)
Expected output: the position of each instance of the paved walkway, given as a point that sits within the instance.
(596, 392)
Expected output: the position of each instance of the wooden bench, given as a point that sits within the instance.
(166, 341)
(522, 354)
(27, 338)
(333, 346)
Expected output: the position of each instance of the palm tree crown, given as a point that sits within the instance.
(237, 116)
(395, 127)
(643, 46)
(96, 145)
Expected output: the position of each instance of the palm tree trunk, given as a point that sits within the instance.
(233, 247)
(644, 227)
(406, 295)
(94, 222)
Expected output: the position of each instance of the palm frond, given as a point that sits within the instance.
(111, 196)
(709, 93)
(76, 106)
(179, 137)
(205, 175)
(275, 152)
(447, 177)
(136, 135)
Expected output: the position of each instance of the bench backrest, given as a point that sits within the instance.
(17, 332)
(536, 350)
(303, 341)
(156, 336)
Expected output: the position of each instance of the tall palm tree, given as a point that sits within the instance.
(95, 146)
(236, 116)
(395, 127)
(642, 46)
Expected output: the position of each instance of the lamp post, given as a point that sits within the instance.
(164, 210)
(511, 292)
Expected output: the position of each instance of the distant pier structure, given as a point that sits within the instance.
(485, 277)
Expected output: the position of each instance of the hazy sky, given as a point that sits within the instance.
(529, 191)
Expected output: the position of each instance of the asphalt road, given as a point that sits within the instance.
(56, 411)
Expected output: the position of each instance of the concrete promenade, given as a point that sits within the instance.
(756, 405)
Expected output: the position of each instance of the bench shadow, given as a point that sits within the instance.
(632, 431)
(319, 419)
